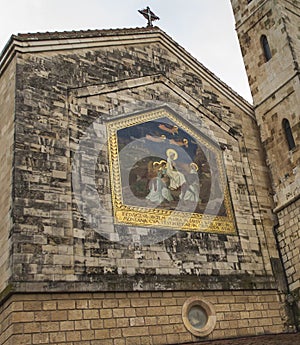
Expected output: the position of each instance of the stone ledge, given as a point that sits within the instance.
(116, 283)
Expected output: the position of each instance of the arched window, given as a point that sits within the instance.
(266, 48)
(288, 134)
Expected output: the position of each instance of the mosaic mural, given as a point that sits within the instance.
(164, 173)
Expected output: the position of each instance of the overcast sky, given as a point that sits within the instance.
(205, 28)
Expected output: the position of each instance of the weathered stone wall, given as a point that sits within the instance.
(289, 242)
(7, 105)
(265, 76)
(288, 235)
(292, 10)
(276, 91)
(60, 245)
(63, 94)
(274, 84)
(136, 318)
(243, 9)
(283, 163)
(224, 248)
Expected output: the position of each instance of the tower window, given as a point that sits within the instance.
(288, 134)
(266, 48)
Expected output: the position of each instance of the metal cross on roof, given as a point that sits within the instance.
(149, 15)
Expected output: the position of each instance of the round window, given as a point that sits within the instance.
(198, 316)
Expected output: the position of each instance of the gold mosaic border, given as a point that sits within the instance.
(147, 217)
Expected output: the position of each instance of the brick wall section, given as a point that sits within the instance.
(136, 318)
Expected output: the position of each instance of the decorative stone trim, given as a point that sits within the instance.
(199, 316)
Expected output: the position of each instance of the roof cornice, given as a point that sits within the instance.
(59, 41)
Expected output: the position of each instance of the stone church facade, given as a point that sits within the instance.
(143, 201)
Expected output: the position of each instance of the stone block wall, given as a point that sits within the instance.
(183, 257)
(265, 18)
(292, 11)
(133, 318)
(284, 163)
(54, 111)
(274, 84)
(7, 105)
(276, 91)
(117, 289)
(289, 241)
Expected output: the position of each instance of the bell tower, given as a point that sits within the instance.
(269, 31)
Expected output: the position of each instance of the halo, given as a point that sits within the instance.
(194, 165)
(169, 151)
(163, 161)
(155, 164)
